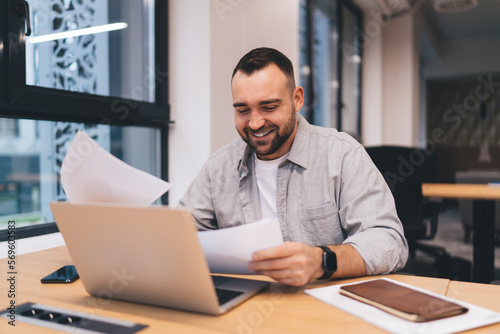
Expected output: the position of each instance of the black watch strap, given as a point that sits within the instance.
(329, 262)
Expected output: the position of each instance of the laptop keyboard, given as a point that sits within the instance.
(226, 295)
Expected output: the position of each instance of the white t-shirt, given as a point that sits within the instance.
(266, 172)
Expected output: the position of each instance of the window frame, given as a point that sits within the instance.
(349, 5)
(21, 101)
(25, 101)
(3, 63)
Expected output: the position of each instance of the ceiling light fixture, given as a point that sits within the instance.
(77, 32)
(454, 6)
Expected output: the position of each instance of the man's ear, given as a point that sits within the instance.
(298, 98)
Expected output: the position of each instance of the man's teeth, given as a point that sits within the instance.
(261, 134)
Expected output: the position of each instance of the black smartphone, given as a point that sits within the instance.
(66, 274)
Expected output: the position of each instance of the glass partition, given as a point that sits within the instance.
(330, 63)
(318, 61)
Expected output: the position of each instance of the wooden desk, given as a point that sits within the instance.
(483, 196)
(279, 309)
(461, 191)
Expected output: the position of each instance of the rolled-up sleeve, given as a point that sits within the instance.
(368, 215)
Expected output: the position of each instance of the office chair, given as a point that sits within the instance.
(403, 168)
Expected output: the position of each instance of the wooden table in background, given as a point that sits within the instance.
(483, 196)
(278, 309)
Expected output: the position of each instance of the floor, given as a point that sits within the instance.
(450, 236)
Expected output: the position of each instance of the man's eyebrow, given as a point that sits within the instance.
(261, 103)
(270, 101)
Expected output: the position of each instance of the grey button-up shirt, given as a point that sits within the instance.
(328, 192)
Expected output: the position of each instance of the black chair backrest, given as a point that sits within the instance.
(402, 170)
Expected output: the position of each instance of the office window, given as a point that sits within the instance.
(97, 66)
(9, 127)
(116, 60)
(30, 164)
(330, 63)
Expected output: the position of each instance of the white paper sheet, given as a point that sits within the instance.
(475, 317)
(91, 174)
(229, 250)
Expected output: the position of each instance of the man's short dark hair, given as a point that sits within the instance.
(259, 58)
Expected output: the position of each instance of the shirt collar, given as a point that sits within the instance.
(243, 163)
(298, 153)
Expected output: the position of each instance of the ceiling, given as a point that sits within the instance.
(482, 22)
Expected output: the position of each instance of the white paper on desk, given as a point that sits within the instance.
(229, 250)
(91, 174)
(475, 317)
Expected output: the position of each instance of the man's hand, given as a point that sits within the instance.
(293, 263)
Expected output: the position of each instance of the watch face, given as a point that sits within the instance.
(330, 261)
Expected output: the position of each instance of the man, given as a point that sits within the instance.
(336, 212)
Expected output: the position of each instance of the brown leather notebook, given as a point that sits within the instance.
(401, 301)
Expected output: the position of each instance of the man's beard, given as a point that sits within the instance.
(278, 140)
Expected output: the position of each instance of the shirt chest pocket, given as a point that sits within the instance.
(321, 225)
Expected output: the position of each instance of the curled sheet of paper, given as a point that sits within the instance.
(229, 250)
(91, 174)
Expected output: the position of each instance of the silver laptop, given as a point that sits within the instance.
(148, 255)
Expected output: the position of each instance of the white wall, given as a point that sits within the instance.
(189, 91)
(400, 82)
(372, 101)
(250, 24)
(207, 38)
(390, 88)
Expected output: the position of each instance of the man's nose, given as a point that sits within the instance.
(256, 120)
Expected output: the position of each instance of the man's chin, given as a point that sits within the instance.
(260, 149)
(264, 153)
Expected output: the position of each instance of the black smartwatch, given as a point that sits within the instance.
(329, 262)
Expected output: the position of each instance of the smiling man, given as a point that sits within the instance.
(265, 104)
(336, 212)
